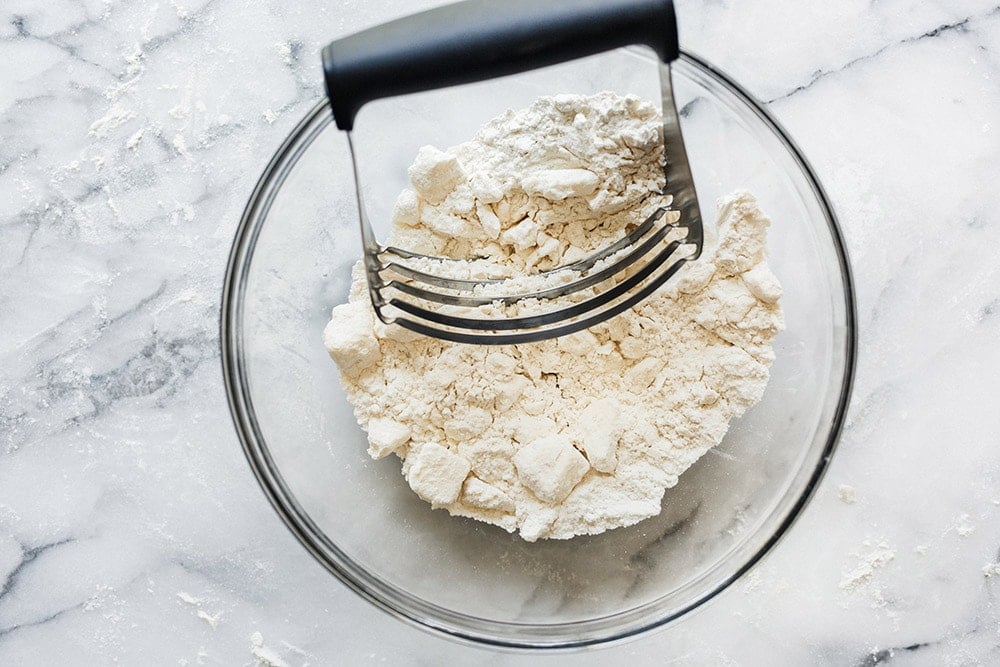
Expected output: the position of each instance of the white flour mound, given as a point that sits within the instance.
(583, 433)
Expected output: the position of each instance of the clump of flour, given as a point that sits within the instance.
(582, 433)
(539, 187)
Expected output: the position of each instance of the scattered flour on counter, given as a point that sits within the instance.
(847, 494)
(868, 564)
(180, 145)
(133, 141)
(263, 654)
(133, 60)
(187, 598)
(213, 621)
(991, 570)
(116, 117)
(964, 526)
(296, 650)
(583, 433)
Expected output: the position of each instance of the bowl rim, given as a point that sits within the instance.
(385, 596)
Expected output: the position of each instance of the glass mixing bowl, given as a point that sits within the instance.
(290, 263)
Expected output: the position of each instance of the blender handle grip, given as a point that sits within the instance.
(476, 40)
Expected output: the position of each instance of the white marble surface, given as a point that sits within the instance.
(131, 529)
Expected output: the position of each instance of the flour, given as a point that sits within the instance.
(187, 598)
(180, 145)
(964, 526)
(264, 656)
(867, 565)
(133, 141)
(582, 433)
(847, 494)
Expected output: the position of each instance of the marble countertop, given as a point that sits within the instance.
(131, 528)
